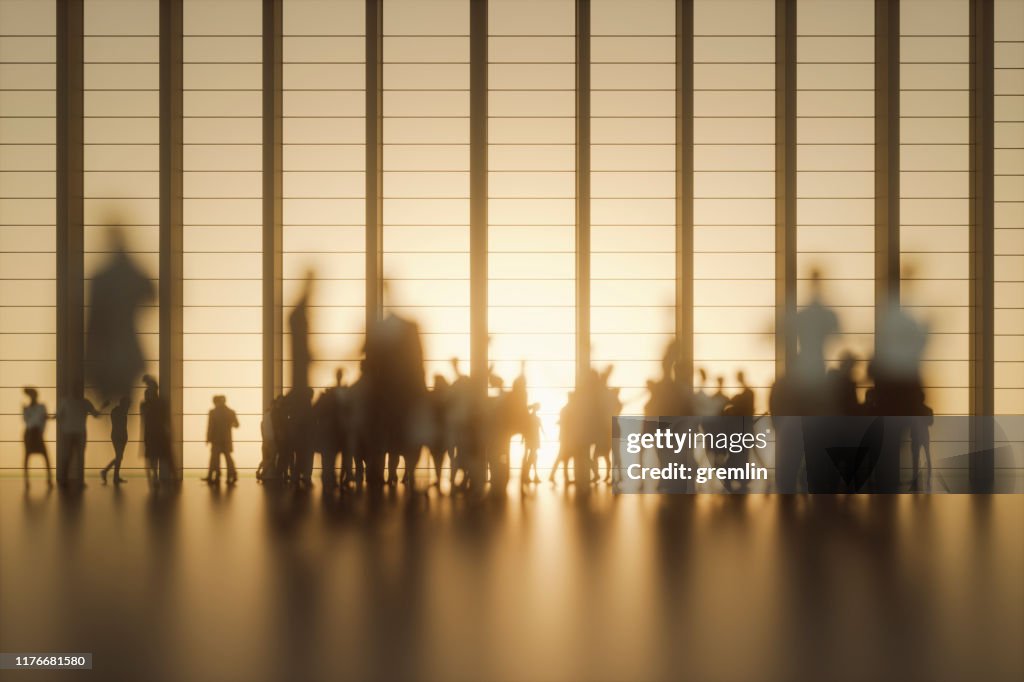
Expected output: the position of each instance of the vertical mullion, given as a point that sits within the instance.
(887, 157)
(70, 218)
(785, 183)
(374, 161)
(478, 190)
(684, 190)
(982, 240)
(582, 189)
(171, 216)
(272, 186)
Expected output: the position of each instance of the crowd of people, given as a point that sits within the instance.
(365, 430)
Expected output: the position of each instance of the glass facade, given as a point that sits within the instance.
(532, 190)
(28, 212)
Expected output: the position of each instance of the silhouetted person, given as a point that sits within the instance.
(508, 415)
(283, 454)
(359, 440)
(329, 412)
(72, 413)
(300, 430)
(799, 393)
(670, 406)
(608, 407)
(35, 415)
(298, 325)
(267, 468)
(220, 422)
(155, 416)
(463, 422)
(920, 441)
(299, 400)
(713, 421)
(398, 413)
(569, 440)
(842, 389)
(815, 323)
(440, 444)
(531, 447)
(118, 438)
(741, 404)
(702, 406)
(113, 354)
(896, 370)
(738, 418)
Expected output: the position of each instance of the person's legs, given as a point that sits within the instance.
(213, 468)
(554, 465)
(49, 473)
(63, 442)
(347, 465)
(75, 446)
(392, 468)
(118, 456)
(328, 462)
(915, 458)
(232, 472)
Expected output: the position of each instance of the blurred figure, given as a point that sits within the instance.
(899, 394)
(358, 439)
(267, 468)
(531, 446)
(739, 418)
(328, 412)
(220, 422)
(397, 405)
(741, 404)
(718, 400)
(35, 416)
(113, 354)
(299, 435)
(464, 409)
(155, 415)
(298, 325)
(440, 445)
(814, 325)
(842, 389)
(713, 421)
(72, 413)
(118, 438)
(299, 400)
(798, 393)
(508, 414)
(920, 442)
(701, 398)
(609, 406)
(671, 406)
(569, 439)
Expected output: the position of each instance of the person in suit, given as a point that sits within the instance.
(222, 420)
(118, 438)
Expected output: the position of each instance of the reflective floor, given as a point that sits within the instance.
(250, 584)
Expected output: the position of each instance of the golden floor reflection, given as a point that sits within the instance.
(257, 584)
